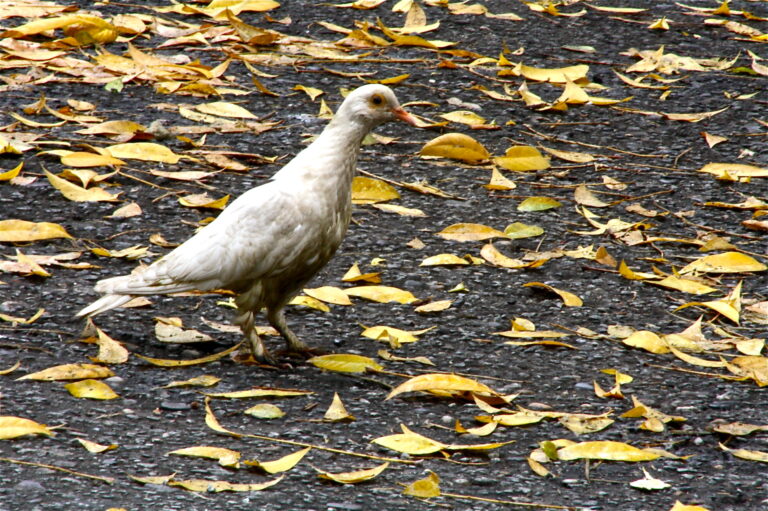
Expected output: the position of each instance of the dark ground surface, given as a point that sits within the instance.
(147, 422)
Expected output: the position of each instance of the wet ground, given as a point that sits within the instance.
(657, 158)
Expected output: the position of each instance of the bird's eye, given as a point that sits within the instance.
(377, 100)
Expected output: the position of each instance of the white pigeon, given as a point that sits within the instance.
(274, 238)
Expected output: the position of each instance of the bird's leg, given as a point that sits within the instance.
(276, 318)
(253, 342)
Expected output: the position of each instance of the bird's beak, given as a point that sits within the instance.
(404, 116)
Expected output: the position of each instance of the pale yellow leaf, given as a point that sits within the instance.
(456, 146)
(329, 294)
(382, 294)
(470, 232)
(366, 190)
(146, 151)
(345, 363)
(14, 427)
(223, 109)
(95, 448)
(70, 372)
(440, 382)
(77, 193)
(91, 389)
(569, 299)
(727, 262)
(357, 476)
(522, 159)
(265, 411)
(605, 450)
(424, 488)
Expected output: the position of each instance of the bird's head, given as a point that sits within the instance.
(372, 105)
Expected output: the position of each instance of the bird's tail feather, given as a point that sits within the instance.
(103, 304)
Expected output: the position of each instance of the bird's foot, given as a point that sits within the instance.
(248, 356)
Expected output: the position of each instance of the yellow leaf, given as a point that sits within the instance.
(522, 158)
(23, 321)
(573, 94)
(112, 128)
(739, 453)
(30, 266)
(424, 488)
(312, 92)
(10, 174)
(629, 274)
(499, 182)
(382, 294)
(259, 392)
(400, 210)
(83, 159)
(464, 117)
(345, 363)
(648, 341)
(110, 351)
(393, 335)
(727, 262)
(444, 260)
(441, 382)
(692, 117)
(517, 230)
(659, 24)
(491, 254)
(78, 194)
(357, 476)
(736, 170)
(174, 334)
(91, 389)
(184, 363)
(470, 232)
(337, 412)
(225, 457)
(265, 411)
(456, 146)
(570, 156)
(605, 450)
(409, 443)
(308, 301)
(569, 299)
(552, 75)
(69, 372)
(437, 306)
(222, 109)
(14, 427)
(697, 361)
(329, 294)
(649, 483)
(10, 369)
(205, 380)
(366, 190)
(753, 367)
(283, 464)
(95, 448)
(538, 204)
(584, 196)
(134, 252)
(201, 200)
(485, 430)
(146, 151)
(208, 486)
(684, 285)
(393, 358)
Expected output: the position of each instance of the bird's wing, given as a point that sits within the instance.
(241, 245)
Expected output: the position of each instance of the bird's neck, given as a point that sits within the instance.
(332, 157)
